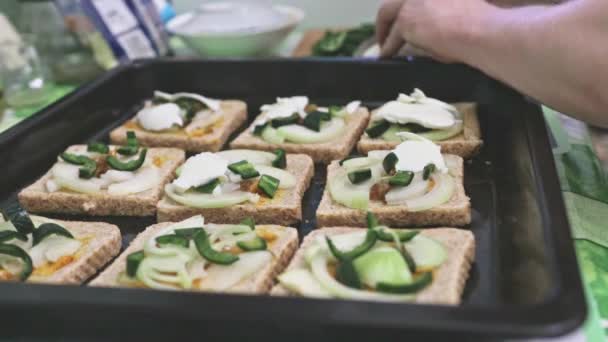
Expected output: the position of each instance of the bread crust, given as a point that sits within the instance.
(455, 212)
(234, 116)
(282, 248)
(35, 198)
(320, 152)
(449, 279)
(103, 244)
(466, 144)
(285, 208)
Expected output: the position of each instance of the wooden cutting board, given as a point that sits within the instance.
(310, 37)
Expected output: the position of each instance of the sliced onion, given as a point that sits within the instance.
(52, 248)
(203, 119)
(354, 196)
(379, 154)
(145, 179)
(198, 200)
(398, 195)
(286, 179)
(254, 157)
(355, 164)
(441, 193)
(223, 277)
(231, 240)
(330, 130)
(66, 176)
(302, 282)
(117, 176)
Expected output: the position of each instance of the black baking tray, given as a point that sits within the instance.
(524, 282)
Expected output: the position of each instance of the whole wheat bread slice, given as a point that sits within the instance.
(320, 152)
(234, 116)
(449, 279)
(285, 208)
(35, 198)
(283, 249)
(465, 144)
(455, 212)
(102, 243)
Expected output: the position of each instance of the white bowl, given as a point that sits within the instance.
(251, 41)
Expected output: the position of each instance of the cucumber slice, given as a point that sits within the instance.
(198, 200)
(348, 194)
(427, 253)
(273, 136)
(319, 270)
(443, 134)
(254, 157)
(441, 193)
(303, 283)
(286, 179)
(302, 135)
(382, 265)
(434, 135)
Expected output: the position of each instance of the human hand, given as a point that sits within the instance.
(438, 27)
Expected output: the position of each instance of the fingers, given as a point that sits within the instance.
(393, 42)
(386, 17)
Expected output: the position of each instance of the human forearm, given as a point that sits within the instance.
(546, 52)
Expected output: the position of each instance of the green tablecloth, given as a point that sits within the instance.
(585, 189)
(10, 117)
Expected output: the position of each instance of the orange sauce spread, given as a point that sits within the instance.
(199, 132)
(431, 184)
(266, 234)
(6, 275)
(51, 267)
(132, 124)
(159, 160)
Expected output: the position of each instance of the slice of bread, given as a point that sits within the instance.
(465, 144)
(35, 198)
(102, 243)
(282, 248)
(285, 208)
(320, 152)
(449, 279)
(455, 212)
(234, 116)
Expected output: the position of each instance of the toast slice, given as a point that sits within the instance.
(449, 280)
(100, 243)
(319, 152)
(455, 212)
(282, 248)
(35, 198)
(210, 139)
(285, 208)
(465, 144)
